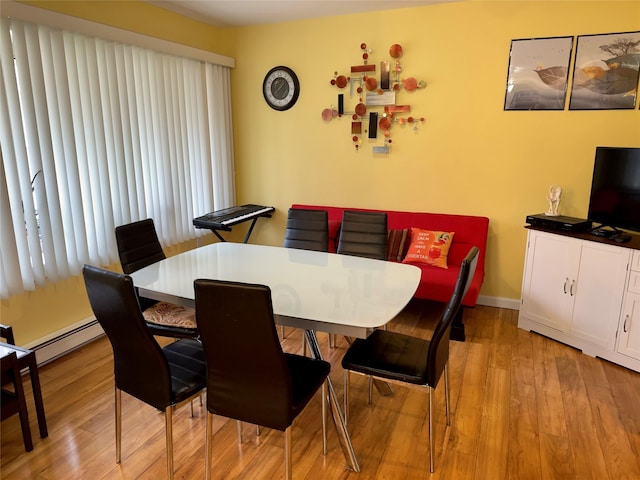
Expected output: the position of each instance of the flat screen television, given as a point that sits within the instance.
(615, 188)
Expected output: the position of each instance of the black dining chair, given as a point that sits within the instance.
(406, 360)
(138, 247)
(307, 229)
(363, 234)
(26, 359)
(13, 400)
(164, 378)
(249, 377)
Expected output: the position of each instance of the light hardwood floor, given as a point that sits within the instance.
(524, 407)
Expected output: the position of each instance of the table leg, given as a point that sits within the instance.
(37, 395)
(338, 417)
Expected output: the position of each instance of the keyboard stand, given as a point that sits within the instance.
(224, 220)
(253, 223)
(246, 237)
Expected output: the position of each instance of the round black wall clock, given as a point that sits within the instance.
(281, 88)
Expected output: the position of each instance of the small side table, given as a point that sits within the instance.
(27, 359)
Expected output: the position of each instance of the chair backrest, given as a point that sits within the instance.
(140, 367)
(363, 234)
(9, 371)
(6, 332)
(138, 245)
(247, 374)
(307, 229)
(438, 353)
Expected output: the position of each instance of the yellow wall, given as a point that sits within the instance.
(470, 156)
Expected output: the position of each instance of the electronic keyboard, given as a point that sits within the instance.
(227, 217)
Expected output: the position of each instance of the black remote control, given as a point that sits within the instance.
(621, 237)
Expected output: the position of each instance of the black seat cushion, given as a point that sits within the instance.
(390, 355)
(187, 366)
(307, 375)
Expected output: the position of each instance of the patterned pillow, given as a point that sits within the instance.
(170, 315)
(397, 244)
(429, 247)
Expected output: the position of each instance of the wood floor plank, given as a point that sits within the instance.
(524, 444)
(555, 457)
(551, 416)
(622, 463)
(587, 456)
(493, 436)
(625, 395)
(469, 400)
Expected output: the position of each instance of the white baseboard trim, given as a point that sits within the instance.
(65, 340)
(501, 302)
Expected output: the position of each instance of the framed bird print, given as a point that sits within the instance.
(605, 73)
(537, 74)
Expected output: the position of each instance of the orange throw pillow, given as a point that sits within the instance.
(430, 247)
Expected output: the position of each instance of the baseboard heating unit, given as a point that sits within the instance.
(65, 340)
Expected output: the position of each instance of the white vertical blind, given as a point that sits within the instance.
(95, 134)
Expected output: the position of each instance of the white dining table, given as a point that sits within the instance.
(314, 291)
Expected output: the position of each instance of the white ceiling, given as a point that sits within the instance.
(235, 13)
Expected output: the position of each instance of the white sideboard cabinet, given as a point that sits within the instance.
(584, 292)
(629, 334)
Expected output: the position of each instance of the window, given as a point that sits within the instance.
(95, 134)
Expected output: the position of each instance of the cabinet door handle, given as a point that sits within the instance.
(573, 282)
(564, 287)
(624, 327)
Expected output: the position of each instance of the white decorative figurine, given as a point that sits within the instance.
(555, 192)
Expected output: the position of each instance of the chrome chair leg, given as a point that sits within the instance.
(257, 430)
(168, 420)
(324, 418)
(370, 389)
(429, 389)
(347, 386)
(239, 427)
(118, 394)
(287, 453)
(208, 444)
(446, 394)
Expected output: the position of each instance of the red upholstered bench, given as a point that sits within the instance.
(436, 283)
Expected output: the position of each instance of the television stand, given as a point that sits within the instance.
(584, 291)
